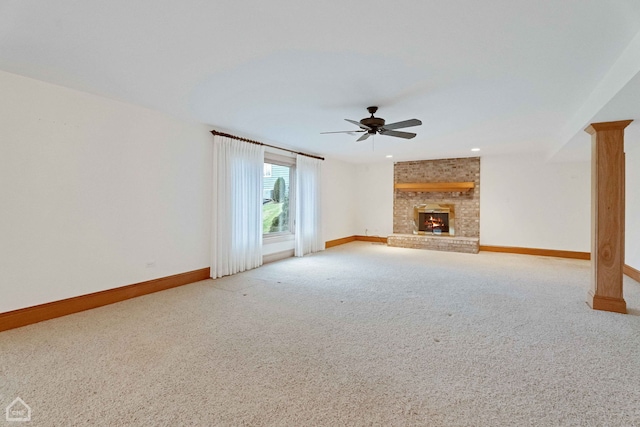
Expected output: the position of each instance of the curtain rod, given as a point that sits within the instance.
(215, 132)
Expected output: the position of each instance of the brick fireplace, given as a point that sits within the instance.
(431, 196)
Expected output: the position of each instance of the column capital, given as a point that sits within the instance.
(597, 127)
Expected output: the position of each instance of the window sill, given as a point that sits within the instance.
(276, 238)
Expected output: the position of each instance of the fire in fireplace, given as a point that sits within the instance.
(433, 222)
(433, 218)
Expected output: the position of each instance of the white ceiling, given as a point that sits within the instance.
(505, 76)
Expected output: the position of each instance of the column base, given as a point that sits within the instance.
(616, 305)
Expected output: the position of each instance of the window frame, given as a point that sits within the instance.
(264, 170)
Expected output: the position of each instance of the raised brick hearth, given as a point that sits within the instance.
(436, 243)
(465, 203)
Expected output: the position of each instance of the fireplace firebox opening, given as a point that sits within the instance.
(437, 219)
(433, 222)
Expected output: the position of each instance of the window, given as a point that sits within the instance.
(277, 203)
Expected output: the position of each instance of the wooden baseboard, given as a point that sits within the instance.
(332, 243)
(535, 251)
(628, 270)
(632, 272)
(39, 313)
(375, 239)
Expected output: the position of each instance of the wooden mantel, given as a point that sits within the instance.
(435, 186)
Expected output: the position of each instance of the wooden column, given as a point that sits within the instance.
(607, 215)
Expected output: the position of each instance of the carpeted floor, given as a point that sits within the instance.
(361, 334)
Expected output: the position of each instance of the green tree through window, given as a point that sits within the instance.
(275, 203)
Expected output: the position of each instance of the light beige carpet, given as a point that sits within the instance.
(361, 334)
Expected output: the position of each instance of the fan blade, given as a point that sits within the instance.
(363, 137)
(344, 131)
(403, 124)
(405, 135)
(359, 124)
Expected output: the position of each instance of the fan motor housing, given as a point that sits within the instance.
(372, 122)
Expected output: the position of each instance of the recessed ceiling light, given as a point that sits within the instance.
(475, 149)
(388, 156)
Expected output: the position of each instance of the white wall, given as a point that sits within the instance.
(632, 214)
(92, 190)
(528, 202)
(338, 199)
(374, 199)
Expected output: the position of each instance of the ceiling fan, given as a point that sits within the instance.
(372, 125)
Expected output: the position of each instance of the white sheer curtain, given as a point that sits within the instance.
(236, 229)
(308, 236)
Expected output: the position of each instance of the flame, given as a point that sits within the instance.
(434, 222)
